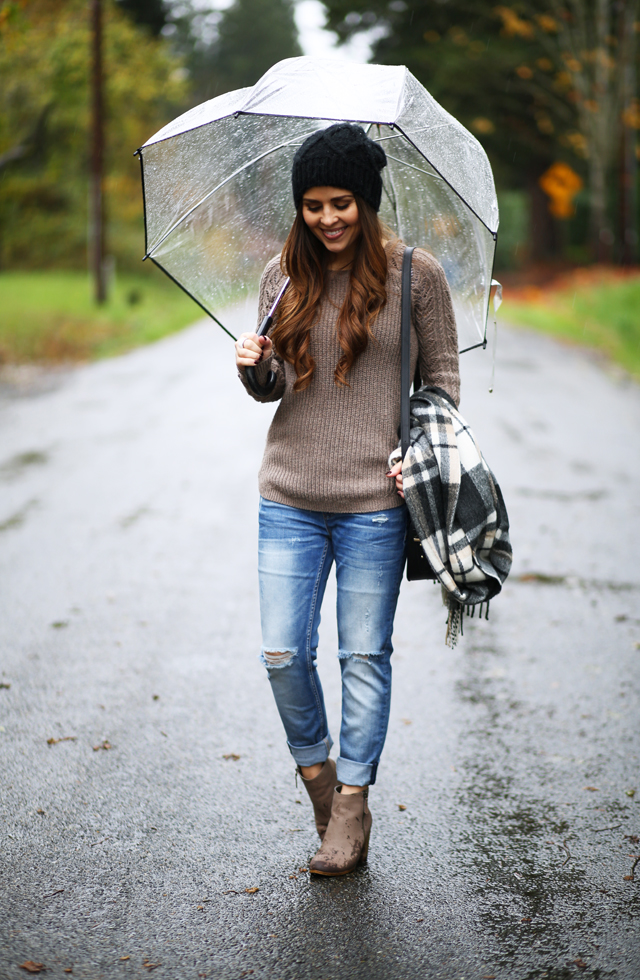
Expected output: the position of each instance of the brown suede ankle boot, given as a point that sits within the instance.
(320, 790)
(346, 842)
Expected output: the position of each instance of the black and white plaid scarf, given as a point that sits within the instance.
(456, 507)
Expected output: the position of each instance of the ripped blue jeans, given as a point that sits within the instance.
(296, 551)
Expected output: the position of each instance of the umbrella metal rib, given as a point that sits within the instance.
(457, 193)
(405, 163)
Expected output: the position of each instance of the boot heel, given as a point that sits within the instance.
(365, 849)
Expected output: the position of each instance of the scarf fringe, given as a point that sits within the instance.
(455, 618)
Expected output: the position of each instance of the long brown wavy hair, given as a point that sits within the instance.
(304, 259)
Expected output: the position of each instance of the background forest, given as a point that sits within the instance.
(550, 88)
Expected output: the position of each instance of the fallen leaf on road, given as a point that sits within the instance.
(150, 966)
(231, 755)
(631, 877)
(124, 958)
(60, 624)
(4, 687)
(246, 973)
(419, 920)
(401, 806)
(155, 697)
(294, 876)
(68, 969)
(299, 802)
(41, 812)
(580, 964)
(303, 869)
(525, 920)
(630, 792)
(252, 891)
(103, 745)
(592, 789)
(633, 838)
(542, 578)
(406, 721)
(65, 738)
(489, 976)
(32, 967)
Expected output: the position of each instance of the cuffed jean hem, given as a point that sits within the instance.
(355, 773)
(309, 755)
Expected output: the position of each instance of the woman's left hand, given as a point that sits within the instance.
(396, 472)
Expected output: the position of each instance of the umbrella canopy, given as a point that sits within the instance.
(217, 186)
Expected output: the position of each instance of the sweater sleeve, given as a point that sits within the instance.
(272, 279)
(435, 325)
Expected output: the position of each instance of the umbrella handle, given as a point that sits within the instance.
(250, 373)
(258, 389)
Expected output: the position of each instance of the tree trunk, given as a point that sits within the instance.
(628, 158)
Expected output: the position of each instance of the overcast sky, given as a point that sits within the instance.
(314, 40)
(310, 19)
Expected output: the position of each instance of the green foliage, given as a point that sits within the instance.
(151, 14)
(50, 316)
(538, 82)
(44, 129)
(513, 240)
(478, 71)
(252, 35)
(603, 316)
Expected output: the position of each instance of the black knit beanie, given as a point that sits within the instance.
(340, 156)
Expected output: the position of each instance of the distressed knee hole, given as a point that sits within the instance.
(278, 658)
(364, 658)
(379, 520)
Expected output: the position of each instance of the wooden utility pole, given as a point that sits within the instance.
(628, 195)
(96, 222)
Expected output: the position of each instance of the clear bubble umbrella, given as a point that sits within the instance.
(217, 187)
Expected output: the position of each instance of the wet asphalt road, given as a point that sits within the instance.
(129, 619)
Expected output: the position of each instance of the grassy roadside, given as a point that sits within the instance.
(49, 317)
(597, 308)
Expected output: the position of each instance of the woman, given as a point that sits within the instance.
(326, 491)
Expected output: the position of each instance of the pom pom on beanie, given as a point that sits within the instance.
(340, 156)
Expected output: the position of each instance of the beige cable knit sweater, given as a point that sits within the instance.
(327, 447)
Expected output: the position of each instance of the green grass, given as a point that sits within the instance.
(51, 317)
(604, 315)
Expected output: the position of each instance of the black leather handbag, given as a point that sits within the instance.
(417, 566)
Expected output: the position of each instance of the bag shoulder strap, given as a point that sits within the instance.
(405, 359)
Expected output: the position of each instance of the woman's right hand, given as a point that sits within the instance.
(251, 349)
